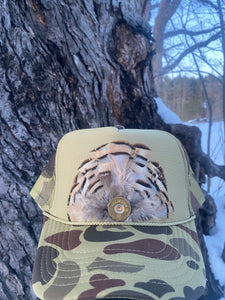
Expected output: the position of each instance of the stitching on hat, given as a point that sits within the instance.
(85, 282)
(140, 224)
(128, 260)
(45, 261)
(101, 280)
(97, 280)
(38, 194)
(127, 279)
(46, 269)
(178, 234)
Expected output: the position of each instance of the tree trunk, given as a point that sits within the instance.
(64, 65)
(166, 10)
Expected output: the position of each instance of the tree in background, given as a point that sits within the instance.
(190, 38)
(182, 27)
(185, 96)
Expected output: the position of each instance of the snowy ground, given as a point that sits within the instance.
(216, 241)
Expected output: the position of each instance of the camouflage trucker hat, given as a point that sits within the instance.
(118, 209)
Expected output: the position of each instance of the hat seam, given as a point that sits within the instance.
(144, 224)
(94, 269)
(130, 260)
(97, 280)
(131, 251)
(38, 195)
(83, 282)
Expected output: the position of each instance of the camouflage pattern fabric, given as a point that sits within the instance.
(153, 259)
(137, 262)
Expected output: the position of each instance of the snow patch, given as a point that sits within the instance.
(215, 242)
(167, 115)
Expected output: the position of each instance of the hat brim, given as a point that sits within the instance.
(132, 262)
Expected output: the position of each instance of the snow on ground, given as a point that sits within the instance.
(215, 242)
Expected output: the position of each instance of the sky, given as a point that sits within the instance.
(194, 17)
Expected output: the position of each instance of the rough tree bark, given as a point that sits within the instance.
(66, 65)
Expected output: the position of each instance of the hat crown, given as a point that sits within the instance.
(147, 167)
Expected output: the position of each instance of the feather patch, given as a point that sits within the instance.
(119, 169)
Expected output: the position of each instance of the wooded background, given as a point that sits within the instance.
(185, 96)
(68, 65)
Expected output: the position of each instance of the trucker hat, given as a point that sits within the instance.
(119, 208)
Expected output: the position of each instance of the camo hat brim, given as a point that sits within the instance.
(134, 262)
(155, 258)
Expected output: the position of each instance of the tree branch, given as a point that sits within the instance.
(211, 169)
(207, 2)
(189, 50)
(188, 32)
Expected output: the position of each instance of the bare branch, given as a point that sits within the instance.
(190, 50)
(209, 3)
(211, 168)
(189, 32)
(202, 57)
(166, 11)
